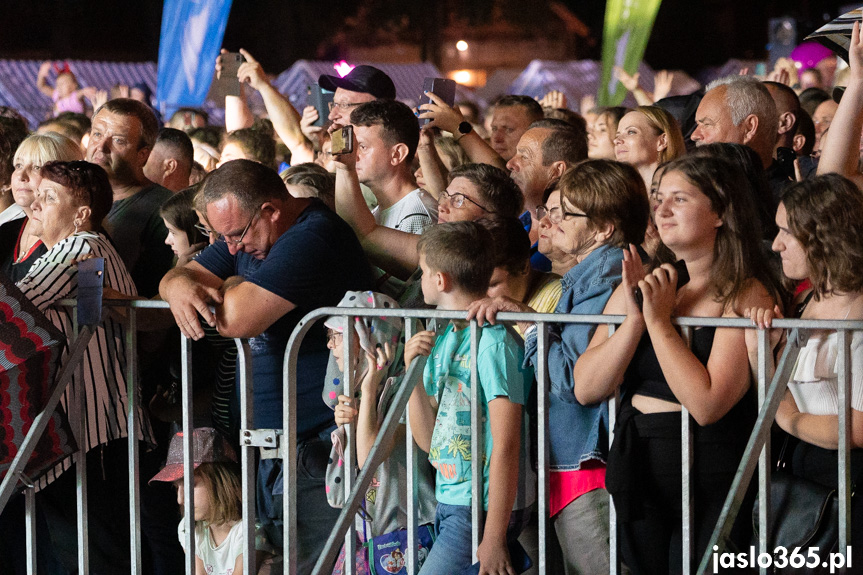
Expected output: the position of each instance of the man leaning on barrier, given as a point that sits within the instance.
(277, 258)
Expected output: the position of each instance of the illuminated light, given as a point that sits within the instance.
(461, 46)
(343, 68)
(463, 77)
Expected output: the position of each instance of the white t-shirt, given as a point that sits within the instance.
(413, 213)
(221, 559)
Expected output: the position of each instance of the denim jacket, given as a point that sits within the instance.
(578, 433)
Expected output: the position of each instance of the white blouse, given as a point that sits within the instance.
(815, 379)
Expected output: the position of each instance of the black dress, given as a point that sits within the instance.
(10, 237)
(644, 467)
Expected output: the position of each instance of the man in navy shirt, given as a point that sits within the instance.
(277, 258)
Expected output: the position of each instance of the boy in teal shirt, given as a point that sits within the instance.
(457, 266)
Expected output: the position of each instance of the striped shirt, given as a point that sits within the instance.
(53, 277)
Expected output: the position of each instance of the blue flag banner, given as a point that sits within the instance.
(192, 32)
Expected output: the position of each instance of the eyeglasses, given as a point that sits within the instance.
(457, 201)
(334, 336)
(342, 106)
(556, 215)
(204, 229)
(239, 240)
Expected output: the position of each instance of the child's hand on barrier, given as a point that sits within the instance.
(377, 365)
(345, 412)
(419, 344)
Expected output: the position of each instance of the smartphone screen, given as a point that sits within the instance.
(343, 141)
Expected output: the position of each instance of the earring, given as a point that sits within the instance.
(77, 223)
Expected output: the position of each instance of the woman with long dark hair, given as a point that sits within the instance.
(706, 219)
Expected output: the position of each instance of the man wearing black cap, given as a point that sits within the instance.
(362, 84)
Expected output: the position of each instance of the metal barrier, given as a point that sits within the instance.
(286, 440)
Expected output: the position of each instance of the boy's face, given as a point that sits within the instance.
(431, 293)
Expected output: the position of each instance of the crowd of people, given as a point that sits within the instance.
(740, 200)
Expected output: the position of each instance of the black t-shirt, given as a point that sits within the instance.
(311, 265)
(138, 234)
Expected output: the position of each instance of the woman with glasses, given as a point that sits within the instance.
(561, 262)
(705, 218)
(69, 205)
(603, 208)
(474, 191)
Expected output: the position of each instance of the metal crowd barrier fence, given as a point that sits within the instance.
(770, 394)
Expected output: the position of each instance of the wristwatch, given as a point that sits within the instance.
(464, 129)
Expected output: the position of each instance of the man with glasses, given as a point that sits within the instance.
(360, 85)
(544, 152)
(276, 259)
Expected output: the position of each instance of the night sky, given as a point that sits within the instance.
(689, 34)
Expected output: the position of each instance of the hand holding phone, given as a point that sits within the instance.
(443, 88)
(343, 141)
(321, 100)
(682, 280)
(229, 65)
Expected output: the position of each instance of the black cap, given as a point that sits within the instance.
(366, 79)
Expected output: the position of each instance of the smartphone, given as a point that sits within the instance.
(231, 62)
(320, 99)
(343, 141)
(90, 279)
(443, 88)
(682, 280)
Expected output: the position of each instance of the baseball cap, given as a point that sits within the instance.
(366, 79)
(209, 446)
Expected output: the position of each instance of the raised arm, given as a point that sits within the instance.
(710, 391)
(237, 112)
(285, 118)
(840, 150)
(391, 250)
(600, 369)
(421, 406)
(367, 423)
(447, 118)
(42, 79)
(434, 171)
(642, 96)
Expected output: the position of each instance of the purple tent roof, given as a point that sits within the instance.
(18, 82)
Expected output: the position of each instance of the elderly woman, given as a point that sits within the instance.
(69, 206)
(70, 202)
(20, 246)
(603, 208)
(706, 218)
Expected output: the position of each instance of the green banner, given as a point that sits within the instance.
(628, 24)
